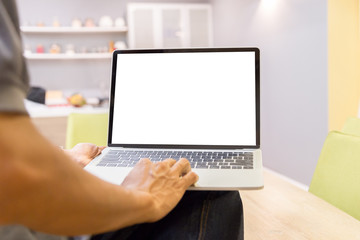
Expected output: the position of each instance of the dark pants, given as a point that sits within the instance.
(199, 215)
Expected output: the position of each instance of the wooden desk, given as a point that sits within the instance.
(284, 211)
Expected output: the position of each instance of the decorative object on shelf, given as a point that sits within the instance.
(70, 49)
(26, 24)
(36, 94)
(111, 46)
(76, 23)
(106, 21)
(55, 98)
(120, 45)
(83, 49)
(40, 48)
(93, 50)
(77, 100)
(93, 101)
(55, 48)
(89, 22)
(40, 24)
(27, 49)
(102, 49)
(56, 22)
(119, 22)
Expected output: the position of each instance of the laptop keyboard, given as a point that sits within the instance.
(204, 160)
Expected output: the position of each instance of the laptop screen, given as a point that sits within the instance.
(185, 98)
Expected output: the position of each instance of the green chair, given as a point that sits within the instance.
(337, 174)
(89, 128)
(352, 127)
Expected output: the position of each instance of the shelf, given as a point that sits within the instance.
(73, 29)
(59, 56)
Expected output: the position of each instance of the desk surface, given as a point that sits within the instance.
(37, 110)
(284, 211)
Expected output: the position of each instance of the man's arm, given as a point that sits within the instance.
(42, 188)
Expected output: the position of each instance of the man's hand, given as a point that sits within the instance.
(163, 183)
(84, 153)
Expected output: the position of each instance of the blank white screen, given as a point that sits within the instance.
(185, 99)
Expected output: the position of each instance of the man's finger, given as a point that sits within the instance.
(99, 150)
(181, 167)
(189, 179)
(144, 161)
(164, 166)
(170, 161)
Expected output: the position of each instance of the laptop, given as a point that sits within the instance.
(202, 104)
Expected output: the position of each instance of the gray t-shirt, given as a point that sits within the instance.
(17, 232)
(14, 80)
(14, 83)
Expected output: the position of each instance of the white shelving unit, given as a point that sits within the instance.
(26, 29)
(70, 30)
(64, 56)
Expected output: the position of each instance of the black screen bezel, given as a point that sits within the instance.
(116, 53)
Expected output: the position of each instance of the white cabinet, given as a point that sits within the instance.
(169, 25)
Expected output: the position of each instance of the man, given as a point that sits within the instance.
(44, 189)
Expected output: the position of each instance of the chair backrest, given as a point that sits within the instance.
(337, 174)
(85, 127)
(352, 127)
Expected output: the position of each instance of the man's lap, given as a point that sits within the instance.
(199, 215)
